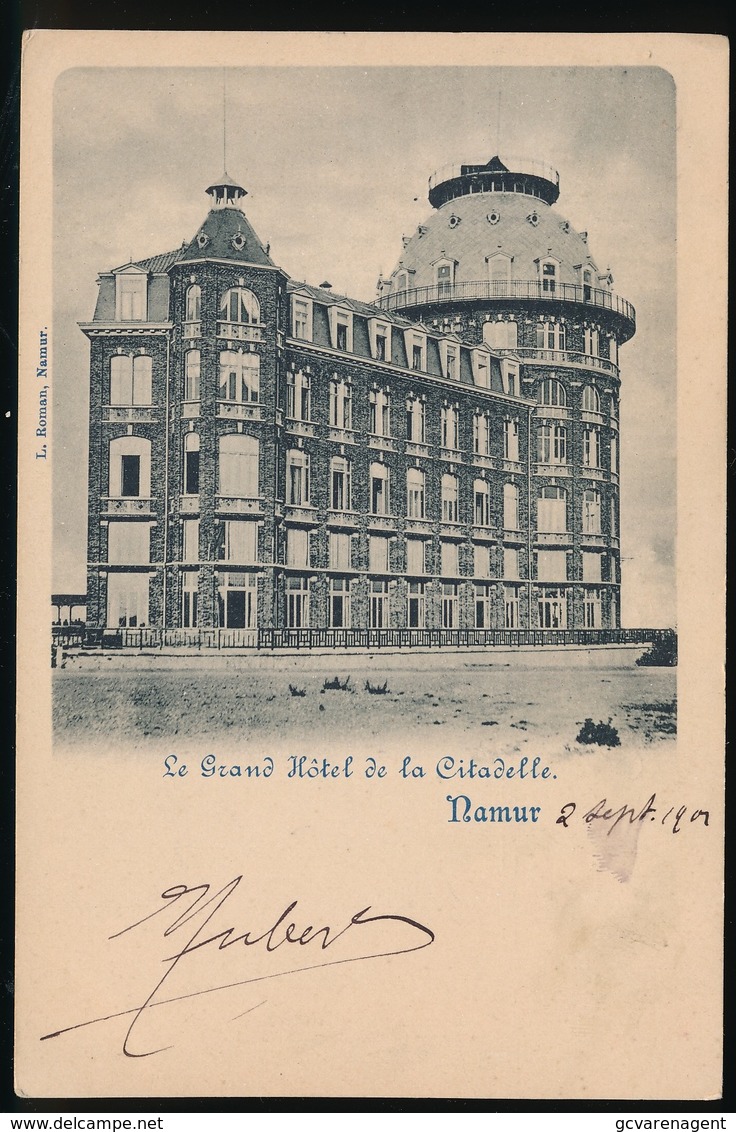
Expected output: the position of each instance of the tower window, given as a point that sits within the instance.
(240, 305)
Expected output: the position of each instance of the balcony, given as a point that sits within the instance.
(130, 414)
(238, 411)
(240, 331)
(561, 358)
(238, 505)
(484, 290)
(191, 330)
(294, 513)
(342, 435)
(127, 506)
(553, 538)
(190, 409)
(300, 428)
(383, 443)
(417, 448)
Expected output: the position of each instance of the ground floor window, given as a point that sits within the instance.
(237, 599)
(449, 606)
(592, 617)
(415, 605)
(189, 600)
(511, 607)
(379, 605)
(297, 602)
(340, 603)
(127, 600)
(482, 607)
(552, 609)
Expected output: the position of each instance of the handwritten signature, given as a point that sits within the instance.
(198, 912)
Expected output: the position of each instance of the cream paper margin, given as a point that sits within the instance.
(657, 1028)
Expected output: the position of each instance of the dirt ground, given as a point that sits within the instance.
(151, 702)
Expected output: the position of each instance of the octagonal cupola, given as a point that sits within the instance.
(226, 193)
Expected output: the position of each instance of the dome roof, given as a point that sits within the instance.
(471, 229)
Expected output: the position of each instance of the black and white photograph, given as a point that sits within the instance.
(358, 418)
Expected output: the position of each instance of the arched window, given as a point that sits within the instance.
(501, 335)
(130, 468)
(240, 305)
(238, 465)
(591, 399)
(449, 499)
(191, 375)
(240, 375)
(552, 392)
(190, 479)
(193, 311)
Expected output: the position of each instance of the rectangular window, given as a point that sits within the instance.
(130, 476)
(297, 547)
(379, 611)
(483, 607)
(192, 367)
(297, 479)
(189, 600)
(341, 336)
(452, 366)
(191, 472)
(510, 507)
(415, 556)
(511, 440)
(127, 600)
(614, 453)
(241, 542)
(481, 504)
(378, 554)
(339, 550)
(591, 447)
(340, 484)
(297, 603)
(128, 543)
(481, 434)
(592, 614)
(552, 444)
(131, 294)
(341, 404)
(511, 607)
(301, 319)
(448, 559)
(415, 420)
(482, 561)
(449, 606)
(379, 412)
(552, 609)
(298, 396)
(415, 493)
(510, 562)
(449, 426)
(591, 567)
(339, 603)
(415, 605)
(381, 347)
(379, 489)
(449, 499)
(552, 565)
(190, 540)
(552, 510)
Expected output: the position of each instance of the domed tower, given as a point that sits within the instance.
(495, 263)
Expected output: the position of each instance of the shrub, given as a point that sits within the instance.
(601, 733)
(662, 653)
(377, 689)
(336, 685)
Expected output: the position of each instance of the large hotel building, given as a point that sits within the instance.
(271, 458)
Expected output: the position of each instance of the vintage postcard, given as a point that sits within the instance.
(372, 453)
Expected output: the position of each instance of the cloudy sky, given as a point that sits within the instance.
(336, 161)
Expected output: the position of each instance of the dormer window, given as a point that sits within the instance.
(444, 276)
(380, 338)
(499, 271)
(301, 318)
(416, 349)
(131, 296)
(450, 353)
(510, 377)
(481, 362)
(401, 281)
(548, 273)
(341, 329)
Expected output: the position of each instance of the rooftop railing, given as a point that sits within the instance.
(484, 289)
(519, 165)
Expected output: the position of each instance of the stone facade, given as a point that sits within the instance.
(266, 454)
